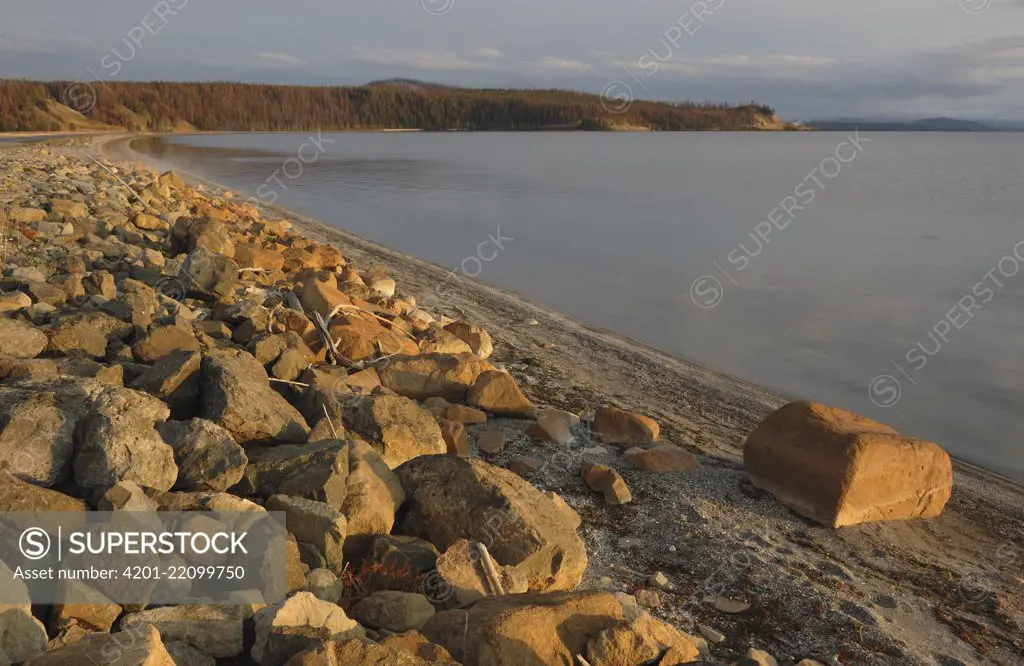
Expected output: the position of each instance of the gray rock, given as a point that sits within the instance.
(208, 274)
(398, 428)
(314, 523)
(175, 380)
(236, 394)
(207, 456)
(316, 471)
(297, 624)
(21, 340)
(216, 630)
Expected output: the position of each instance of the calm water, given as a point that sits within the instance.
(614, 229)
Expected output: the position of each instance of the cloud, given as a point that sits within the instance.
(437, 61)
(281, 59)
(550, 64)
(488, 52)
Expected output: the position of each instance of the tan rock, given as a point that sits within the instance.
(415, 643)
(491, 442)
(69, 207)
(364, 652)
(840, 468)
(640, 641)
(496, 392)
(551, 428)
(606, 480)
(373, 495)
(358, 338)
(665, 458)
(455, 437)
(139, 646)
(21, 340)
(617, 426)
(13, 301)
(17, 495)
(322, 297)
(477, 338)
(437, 406)
(438, 340)
(299, 623)
(467, 580)
(465, 415)
(393, 610)
(161, 341)
(398, 428)
(427, 375)
(252, 256)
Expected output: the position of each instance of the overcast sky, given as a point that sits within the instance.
(808, 58)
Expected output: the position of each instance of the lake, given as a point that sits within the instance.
(880, 272)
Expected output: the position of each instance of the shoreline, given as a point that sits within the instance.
(918, 592)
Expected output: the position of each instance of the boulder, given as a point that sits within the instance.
(373, 495)
(358, 338)
(14, 301)
(299, 623)
(21, 340)
(617, 426)
(236, 395)
(76, 339)
(22, 636)
(606, 480)
(543, 629)
(398, 428)
(491, 442)
(217, 630)
(174, 379)
(317, 471)
(449, 376)
(118, 441)
(163, 340)
(70, 620)
(452, 498)
(136, 647)
(361, 652)
(551, 428)
(251, 256)
(466, 579)
(437, 340)
(397, 552)
(465, 415)
(207, 456)
(126, 496)
(184, 654)
(416, 644)
(393, 611)
(839, 468)
(207, 274)
(477, 338)
(665, 458)
(455, 437)
(496, 392)
(16, 495)
(314, 523)
(322, 297)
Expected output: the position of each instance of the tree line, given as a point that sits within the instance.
(161, 106)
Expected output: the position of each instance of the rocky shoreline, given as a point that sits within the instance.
(468, 478)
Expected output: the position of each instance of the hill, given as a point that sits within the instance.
(393, 104)
(923, 125)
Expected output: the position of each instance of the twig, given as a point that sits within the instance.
(287, 381)
(492, 571)
(329, 422)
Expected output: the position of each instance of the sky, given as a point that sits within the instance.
(807, 58)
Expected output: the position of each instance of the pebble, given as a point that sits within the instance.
(648, 598)
(710, 634)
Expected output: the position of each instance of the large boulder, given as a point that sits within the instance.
(373, 495)
(16, 495)
(477, 338)
(163, 340)
(317, 471)
(393, 610)
(839, 468)
(22, 636)
(497, 392)
(452, 498)
(361, 652)
(217, 630)
(446, 375)
(207, 456)
(617, 426)
(135, 647)
(118, 441)
(299, 623)
(38, 421)
(543, 629)
(208, 274)
(236, 395)
(359, 338)
(76, 339)
(175, 380)
(398, 428)
(21, 340)
(315, 523)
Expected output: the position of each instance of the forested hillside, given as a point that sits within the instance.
(160, 106)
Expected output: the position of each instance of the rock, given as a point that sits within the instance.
(26, 215)
(393, 611)
(184, 654)
(755, 657)
(731, 606)
(496, 392)
(137, 647)
(415, 643)
(163, 340)
(251, 256)
(373, 496)
(289, 365)
(68, 207)
(172, 180)
(299, 623)
(149, 223)
(316, 524)
(206, 455)
(544, 629)
(648, 598)
(452, 498)
(440, 341)
(217, 630)
(22, 636)
(606, 480)
(207, 274)
(38, 422)
(466, 579)
(76, 339)
(465, 415)
(664, 458)
(14, 301)
(659, 581)
(322, 297)
(118, 442)
(396, 427)
(491, 442)
(551, 428)
(323, 584)
(359, 337)
(710, 634)
(16, 495)
(15, 369)
(317, 471)
(477, 338)
(438, 406)
(397, 551)
(236, 395)
(616, 426)
(126, 496)
(361, 652)
(446, 375)
(174, 379)
(21, 340)
(71, 619)
(571, 420)
(455, 438)
(525, 466)
(839, 468)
